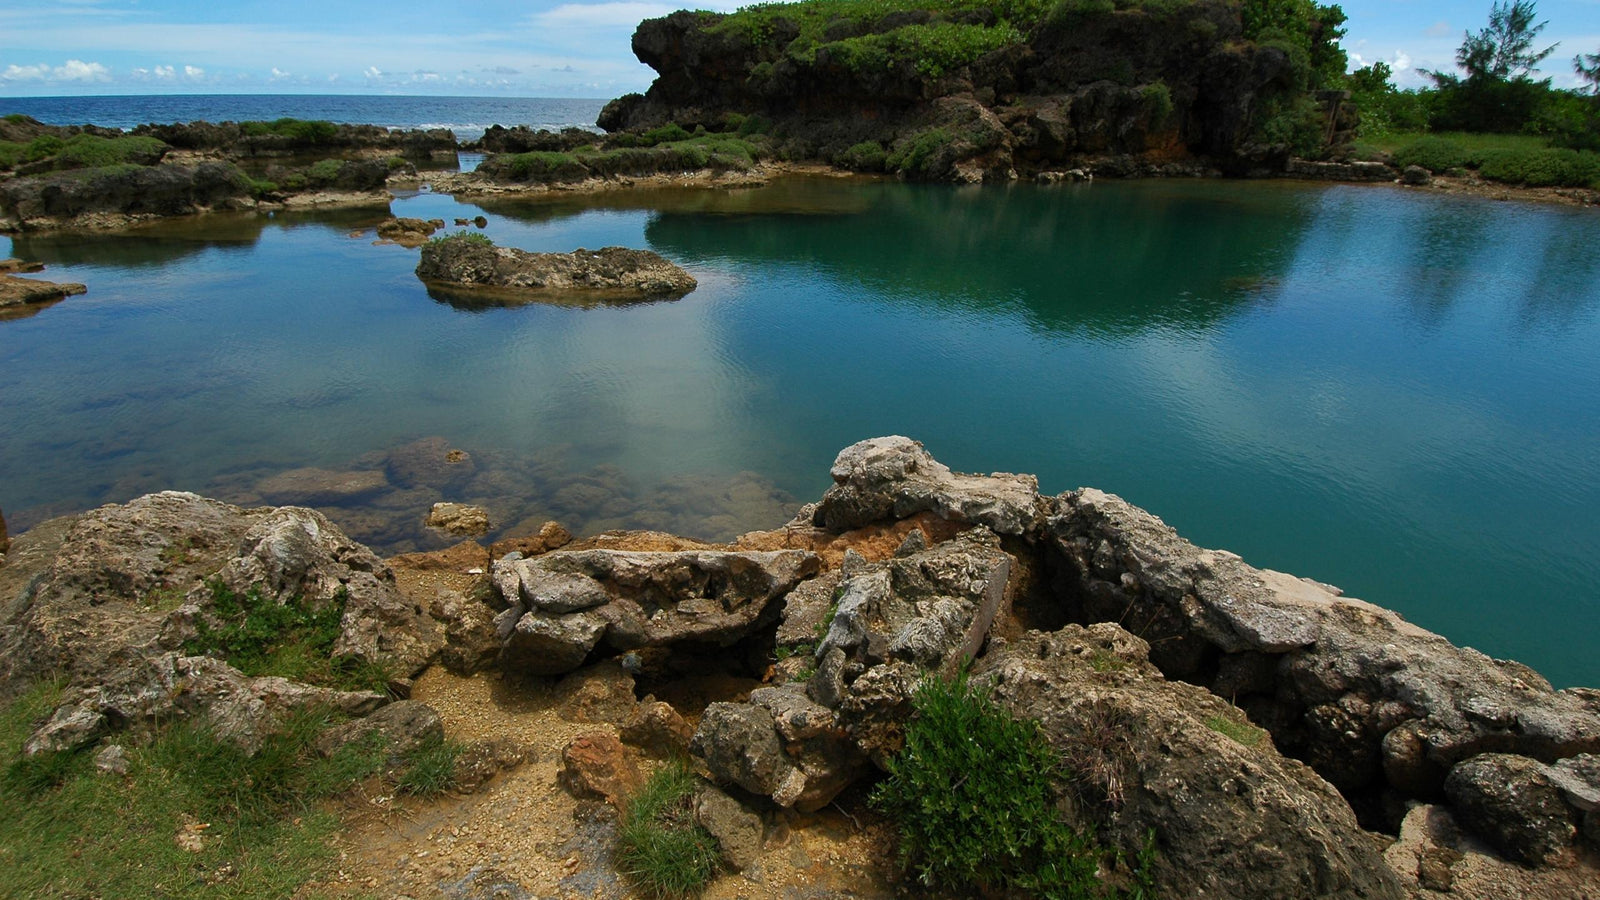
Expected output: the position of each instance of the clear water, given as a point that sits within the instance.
(1392, 392)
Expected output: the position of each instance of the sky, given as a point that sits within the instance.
(534, 48)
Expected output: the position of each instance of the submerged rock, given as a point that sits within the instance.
(612, 271)
(458, 518)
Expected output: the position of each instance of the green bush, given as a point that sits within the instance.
(260, 188)
(932, 49)
(466, 237)
(660, 847)
(542, 165)
(1072, 12)
(302, 131)
(914, 156)
(259, 636)
(973, 794)
(324, 171)
(1435, 154)
(867, 156)
(1157, 102)
(666, 134)
(1541, 168)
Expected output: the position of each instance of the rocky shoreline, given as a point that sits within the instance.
(1278, 739)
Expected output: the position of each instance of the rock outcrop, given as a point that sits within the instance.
(408, 232)
(253, 139)
(1157, 83)
(91, 596)
(122, 191)
(560, 606)
(617, 272)
(21, 297)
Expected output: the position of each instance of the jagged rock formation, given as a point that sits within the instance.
(136, 191)
(619, 272)
(1163, 82)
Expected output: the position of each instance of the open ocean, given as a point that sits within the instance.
(468, 117)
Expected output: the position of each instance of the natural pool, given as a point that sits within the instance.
(1393, 392)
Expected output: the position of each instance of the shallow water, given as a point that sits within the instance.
(1392, 392)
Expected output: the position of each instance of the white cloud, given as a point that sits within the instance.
(373, 72)
(71, 70)
(616, 14)
(193, 73)
(278, 73)
(1401, 62)
(1440, 28)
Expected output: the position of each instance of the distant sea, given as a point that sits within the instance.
(468, 117)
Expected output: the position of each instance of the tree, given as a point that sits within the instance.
(1498, 93)
(1504, 50)
(1587, 65)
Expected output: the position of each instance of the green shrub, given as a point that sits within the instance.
(466, 237)
(1541, 168)
(11, 153)
(397, 162)
(542, 165)
(87, 151)
(324, 171)
(260, 188)
(867, 156)
(1433, 153)
(1157, 102)
(973, 794)
(666, 134)
(302, 131)
(430, 768)
(294, 639)
(1073, 12)
(660, 847)
(915, 155)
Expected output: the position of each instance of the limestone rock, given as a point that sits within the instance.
(739, 744)
(567, 600)
(458, 518)
(111, 759)
(404, 726)
(894, 477)
(599, 693)
(316, 486)
(1511, 801)
(596, 764)
(17, 293)
(408, 232)
(617, 271)
(159, 690)
(656, 728)
(430, 462)
(1232, 819)
(472, 643)
(738, 831)
(550, 536)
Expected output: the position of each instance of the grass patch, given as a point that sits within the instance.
(259, 636)
(1241, 733)
(1469, 141)
(464, 237)
(430, 769)
(303, 131)
(660, 848)
(974, 795)
(249, 820)
(82, 151)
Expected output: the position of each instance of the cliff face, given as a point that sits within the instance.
(965, 94)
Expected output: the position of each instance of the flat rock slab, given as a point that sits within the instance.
(508, 274)
(24, 295)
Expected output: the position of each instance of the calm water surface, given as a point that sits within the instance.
(1395, 393)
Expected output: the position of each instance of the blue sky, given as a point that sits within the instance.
(530, 48)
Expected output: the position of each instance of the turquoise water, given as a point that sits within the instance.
(1393, 392)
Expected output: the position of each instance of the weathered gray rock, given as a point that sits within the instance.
(617, 271)
(1416, 175)
(1369, 700)
(458, 518)
(472, 642)
(894, 478)
(403, 725)
(565, 602)
(1231, 818)
(739, 744)
(96, 593)
(738, 831)
(1510, 800)
(111, 759)
(158, 690)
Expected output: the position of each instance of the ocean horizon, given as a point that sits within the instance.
(468, 117)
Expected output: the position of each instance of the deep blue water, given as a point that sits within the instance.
(466, 116)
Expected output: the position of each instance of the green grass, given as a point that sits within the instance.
(259, 636)
(430, 769)
(78, 833)
(973, 794)
(466, 237)
(312, 131)
(633, 154)
(1511, 159)
(1241, 733)
(660, 848)
(81, 151)
(1468, 141)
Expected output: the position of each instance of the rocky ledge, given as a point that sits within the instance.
(473, 262)
(1277, 739)
(21, 297)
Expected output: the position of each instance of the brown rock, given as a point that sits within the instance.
(656, 728)
(458, 518)
(610, 271)
(738, 830)
(1511, 801)
(551, 536)
(599, 693)
(318, 486)
(13, 265)
(408, 232)
(458, 558)
(472, 640)
(21, 297)
(597, 765)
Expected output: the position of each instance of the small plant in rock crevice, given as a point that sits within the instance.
(294, 639)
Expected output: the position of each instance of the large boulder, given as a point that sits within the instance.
(895, 478)
(1231, 816)
(91, 595)
(470, 261)
(562, 604)
(1512, 802)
